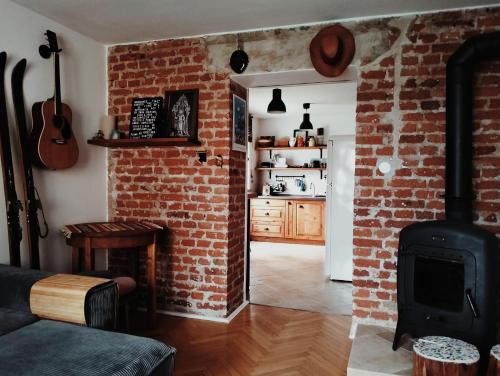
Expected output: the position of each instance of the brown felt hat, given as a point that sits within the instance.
(332, 50)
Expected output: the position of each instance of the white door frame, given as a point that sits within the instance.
(283, 78)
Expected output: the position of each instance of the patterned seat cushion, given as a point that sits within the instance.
(56, 349)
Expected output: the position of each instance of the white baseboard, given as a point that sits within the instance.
(237, 311)
(354, 329)
(224, 320)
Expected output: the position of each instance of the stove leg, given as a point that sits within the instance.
(397, 337)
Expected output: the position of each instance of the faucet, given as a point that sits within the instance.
(313, 187)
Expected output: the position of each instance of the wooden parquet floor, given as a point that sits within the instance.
(260, 341)
(292, 276)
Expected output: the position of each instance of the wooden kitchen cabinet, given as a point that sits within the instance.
(291, 221)
(308, 220)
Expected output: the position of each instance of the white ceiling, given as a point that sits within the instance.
(121, 21)
(339, 95)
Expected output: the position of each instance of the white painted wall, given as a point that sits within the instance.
(341, 121)
(77, 194)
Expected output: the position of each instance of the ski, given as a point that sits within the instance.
(32, 201)
(12, 204)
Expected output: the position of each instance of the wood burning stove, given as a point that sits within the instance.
(447, 269)
(446, 282)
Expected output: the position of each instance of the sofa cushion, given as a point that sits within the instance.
(55, 348)
(15, 286)
(11, 320)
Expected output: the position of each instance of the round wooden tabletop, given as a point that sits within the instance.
(446, 350)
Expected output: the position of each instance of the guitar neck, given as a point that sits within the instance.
(57, 86)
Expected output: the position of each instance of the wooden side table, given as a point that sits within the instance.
(434, 355)
(84, 238)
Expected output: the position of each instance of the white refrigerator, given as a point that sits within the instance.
(340, 207)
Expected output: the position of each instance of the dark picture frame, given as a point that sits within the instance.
(250, 128)
(146, 118)
(239, 124)
(303, 133)
(181, 114)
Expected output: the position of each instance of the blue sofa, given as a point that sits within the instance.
(30, 346)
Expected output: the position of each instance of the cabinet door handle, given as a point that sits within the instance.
(289, 203)
(267, 202)
(301, 206)
(267, 214)
(267, 229)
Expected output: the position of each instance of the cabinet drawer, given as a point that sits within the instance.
(274, 230)
(271, 214)
(266, 203)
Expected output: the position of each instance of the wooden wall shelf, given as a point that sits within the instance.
(271, 169)
(290, 169)
(319, 147)
(144, 142)
(270, 149)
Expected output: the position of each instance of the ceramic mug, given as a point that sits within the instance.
(311, 142)
(292, 142)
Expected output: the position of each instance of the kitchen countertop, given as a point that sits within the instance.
(293, 197)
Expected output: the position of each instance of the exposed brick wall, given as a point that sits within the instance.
(236, 231)
(401, 114)
(200, 264)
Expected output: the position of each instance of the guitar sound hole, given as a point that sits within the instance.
(58, 121)
(61, 123)
(66, 131)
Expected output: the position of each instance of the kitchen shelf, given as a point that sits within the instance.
(318, 147)
(291, 168)
(270, 149)
(271, 169)
(143, 142)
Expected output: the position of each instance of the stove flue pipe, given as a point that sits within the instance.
(459, 122)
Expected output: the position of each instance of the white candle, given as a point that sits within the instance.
(108, 123)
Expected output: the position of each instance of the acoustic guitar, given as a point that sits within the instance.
(54, 145)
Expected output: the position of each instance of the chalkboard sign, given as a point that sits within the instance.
(146, 117)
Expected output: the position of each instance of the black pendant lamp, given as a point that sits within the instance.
(306, 122)
(276, 106)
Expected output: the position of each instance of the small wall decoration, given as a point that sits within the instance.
(219, 161)
(182, 114)
(146, 118)
(250, 128)
(239, 124)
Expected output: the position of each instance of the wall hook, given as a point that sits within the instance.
(219, 161)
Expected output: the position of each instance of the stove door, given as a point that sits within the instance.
(441, 286)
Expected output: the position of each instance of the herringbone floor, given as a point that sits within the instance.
(292, 276)
(260, 341)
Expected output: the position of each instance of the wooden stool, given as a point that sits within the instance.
(84, 238)
(493, 365)
(444, 356)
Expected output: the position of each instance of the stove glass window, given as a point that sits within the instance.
(439, 283)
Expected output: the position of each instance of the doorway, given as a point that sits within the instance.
(289, 259)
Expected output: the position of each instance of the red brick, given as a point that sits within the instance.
(193, 199)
